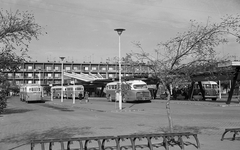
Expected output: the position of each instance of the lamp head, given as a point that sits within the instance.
(62, 58)
(119, 31)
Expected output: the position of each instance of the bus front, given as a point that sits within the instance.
(142, 92)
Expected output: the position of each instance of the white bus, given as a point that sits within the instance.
(79, 91)
(210, 88)
(135, 90)
(56, 91)
(31, 92)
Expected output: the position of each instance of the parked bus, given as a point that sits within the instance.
(210, 88)
(135, 90)
(79, 91)
(31, 92)
(56, 91)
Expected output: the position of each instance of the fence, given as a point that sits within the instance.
(134, 141)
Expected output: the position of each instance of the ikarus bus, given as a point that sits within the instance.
(210, 88)
(31, 92)
(56, 91)
(77, 89)
(134, 90)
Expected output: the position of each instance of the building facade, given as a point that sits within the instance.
(50, 73)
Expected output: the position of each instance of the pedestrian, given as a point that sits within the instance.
(239, 94)
(80, 97)
(86, 97)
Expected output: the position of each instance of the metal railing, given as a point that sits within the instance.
(120, 142)
(235, 132)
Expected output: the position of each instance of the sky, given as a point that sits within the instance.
(83, 30)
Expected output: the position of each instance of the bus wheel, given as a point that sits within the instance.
(214, 99)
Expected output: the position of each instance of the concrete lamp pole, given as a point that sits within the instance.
(62, 58)
(119, 31)
(39, 78)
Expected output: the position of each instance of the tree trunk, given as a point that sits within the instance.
(169, 112)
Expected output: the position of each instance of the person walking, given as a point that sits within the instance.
(238, 94)
(86, 97)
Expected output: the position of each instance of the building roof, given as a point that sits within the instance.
(84, 77)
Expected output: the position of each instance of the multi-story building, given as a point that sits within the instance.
(50, 73)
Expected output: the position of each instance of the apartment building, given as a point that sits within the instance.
(50, 73)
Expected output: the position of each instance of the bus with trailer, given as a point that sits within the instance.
(56, 91)
(210, 88)
(134, 90)
(31, 92)
(77, 89)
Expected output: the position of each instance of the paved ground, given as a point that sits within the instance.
(54, 119)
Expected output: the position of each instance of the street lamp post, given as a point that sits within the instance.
(39, 77)
(119, 31)
(62, 58)
(73, 95)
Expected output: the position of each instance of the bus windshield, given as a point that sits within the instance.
(208, 86)
(140, 86)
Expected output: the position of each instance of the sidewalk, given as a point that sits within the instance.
(100, 117)
(93, 104)
(98, 106)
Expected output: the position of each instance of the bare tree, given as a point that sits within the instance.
(189, 52)
(17, 29)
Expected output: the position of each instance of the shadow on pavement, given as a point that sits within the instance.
(53, 133)
(58, 108)
(8, 111)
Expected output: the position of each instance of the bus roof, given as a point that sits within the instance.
(136, 82)
(131, 81)
(209, 82)
(74, 86)
(54, 87)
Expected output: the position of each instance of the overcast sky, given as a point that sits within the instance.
(83, 30)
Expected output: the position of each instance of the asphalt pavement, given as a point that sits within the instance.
(97, 117)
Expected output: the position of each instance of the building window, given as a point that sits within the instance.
(85, 68)
(94, 68)
(56, 68)
(104, 69)
(30, 75)
(17, 75)
(110, 68)
(57, 75)
(38, 68)
(29, 67)
(49, 75)
(10, 75)
(111, 75)
(30, 81)
(75, 68)
(68, 68)
(48, 68)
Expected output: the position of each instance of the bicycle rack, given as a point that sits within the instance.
(120, 142)
(235, 132)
